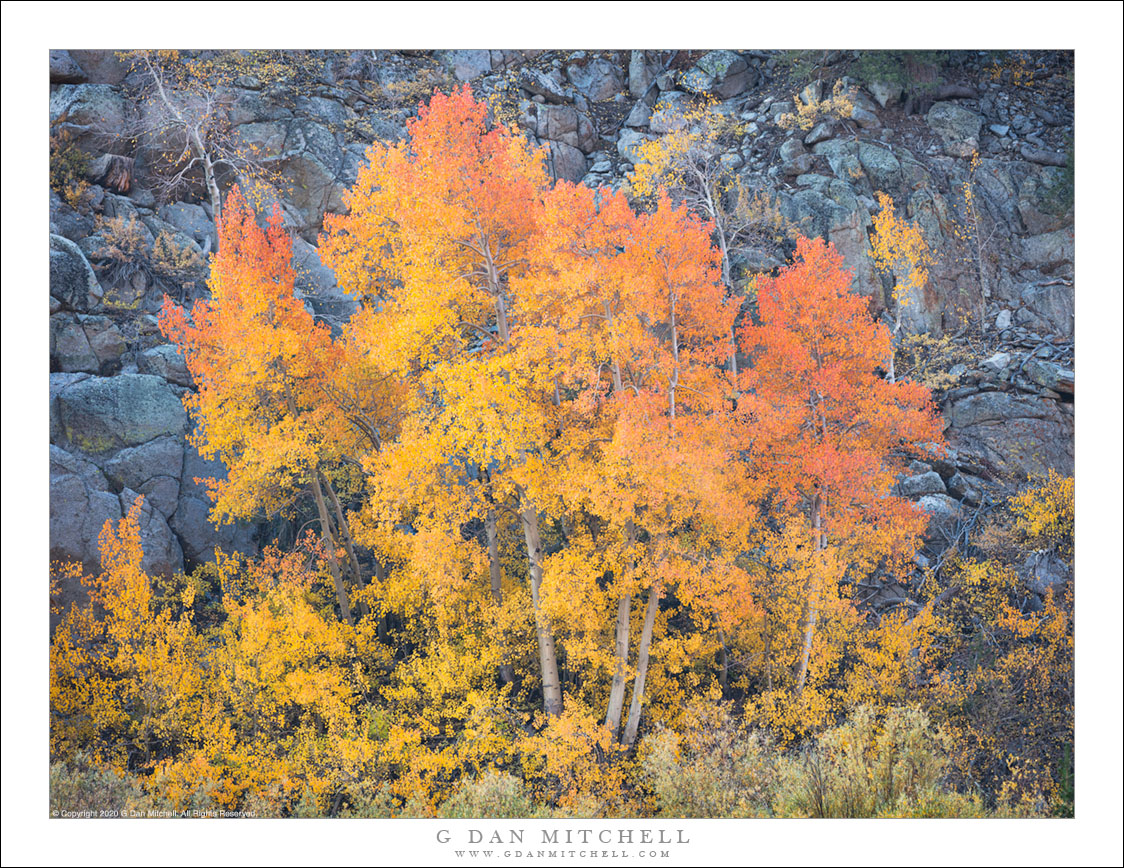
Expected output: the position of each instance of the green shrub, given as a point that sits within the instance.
(81, 784)
(715, 769)
(494, 795)
(871, 765)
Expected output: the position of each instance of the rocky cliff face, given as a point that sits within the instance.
(975, 155)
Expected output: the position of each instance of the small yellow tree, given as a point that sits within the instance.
(899, 250)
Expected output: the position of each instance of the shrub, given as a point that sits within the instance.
(68, 166)
(871, 765)
(714, 769)
(494, 795)
(81, 784)
(808, 114)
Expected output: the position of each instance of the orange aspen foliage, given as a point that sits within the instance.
(264, 370)
(633, 327)
(438, 230)
(829, 435)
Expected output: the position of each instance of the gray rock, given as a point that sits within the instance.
(628, 145)
(59, 381)
(100, 415)
(142, 197)
(1045, 200)
(791, 149)
(943, 513)
(69, 346)
(541, 84)
(794, 159)
(80, 504)
(248, 107)
(265, 138)
(865, 118)
(966, 487)
(167, 362)
(64, 69)
(1003, 320)
(1052, 304)
(94, 114)
(596, 79)
(565, 124)
(191, 521)
(1015, 436)
(152, 469)
(999, 129)
(1044, 571)
(1048, 251)
(922, 484)
(72, 279)
(729, 73)
(720, 64)
(101, 65)
(640, 115)
(821, 132)
(1042, 156)
(812, 92)
(67, 222)
(885, 93)
(565, 162)
(696, 81)
(106, 340)
(997, 364)
(1050, 375)
(641, 74)
(881, 167)
(469, 64)
(834, 213)
(667, 116)
(958, 127)
(163, 555)
(192, 221)
(315, 188)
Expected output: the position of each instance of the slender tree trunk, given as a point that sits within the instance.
(349, 546)
(330, 545)
(673, 383)
(633, 725)
(814, 595)
(209, 177)
(507, 673)
(768, 653)
(620, 672)
(383, 628)
(618, 386)
(548, 657)
(723, 662)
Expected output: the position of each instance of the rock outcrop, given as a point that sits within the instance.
(979, 166)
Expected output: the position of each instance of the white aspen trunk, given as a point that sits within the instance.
(548, 657)
(618, 387)
(507, 673)
(633, 725)
(620, 672)
(813, 597)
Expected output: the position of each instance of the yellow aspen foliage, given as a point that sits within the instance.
(1044, 513)
(126, 678)
(898, 249)
(807, 114)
